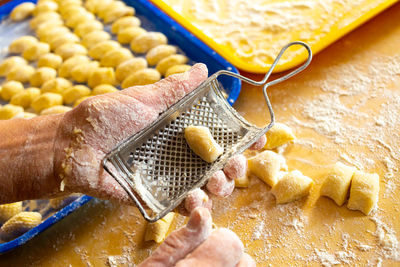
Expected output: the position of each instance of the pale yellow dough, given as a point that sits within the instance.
(11, 88)
(22, 11)
(166, 63)
(177, 69)
(102, 75)
(266, 166)
(46, 100)
(9, 63)
(129, 66)
(141, 77)
(41, 75)
(242, 182)
(50, 60)
(278, 135)
(19, 224)
(158, 230)
(59, 109)
(9, 111)
(202, 143)
(103, 89)
(126, 35)
(115, 57)
(9, 210)
(20, 44)
(73, 93)
(25, 97)
(123, 23)
(292, 186)
(99, 50)
(147, 41)
(160, 52)
(35, 51)
(57, 85)
(20, 73)
(364, 192)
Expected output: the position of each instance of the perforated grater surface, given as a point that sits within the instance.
(157, 168)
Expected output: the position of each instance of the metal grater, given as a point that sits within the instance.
(156, 167)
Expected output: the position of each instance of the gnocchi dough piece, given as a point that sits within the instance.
(41, 75)
(11, 88)
(69, 10)
(99, 50)
(125, 36)
(9, 210)
(82, 72)
(87, 27)
(364, 192)
(177, 69)
(170, 61)
(46, 100)
(116, 13)
(94, 38)
(80, 100)
(160, 52)
(55, 110)
(20, 73)
(9, 111)
(65, 69)
(266, 166)
(102, 75)
(44, 18)
(20, 44)
(70, 49)
(25, 115)
(141, 77)
(337, 183)
(129, 66)
(49, 60)
(115, 57)
(103, 89)
(123, 23)
(202, 143)
(94, 5)
(44, 7)
(35, 51)
(9, 63)
(292, 186)
(278, 135)
(76, 18)
(62, 39)
(22, 11)
(73, 93)
(158, 230)
(108, 5)
(51, 30)
(242, 182)
(25, 97)
(147, 41)
(19, 224)
(57, 85)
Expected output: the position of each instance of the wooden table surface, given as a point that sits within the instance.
(344, 107)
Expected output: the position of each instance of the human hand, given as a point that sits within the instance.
(196, 244)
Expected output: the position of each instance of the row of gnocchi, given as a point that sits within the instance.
(341, 181)
(15, 221)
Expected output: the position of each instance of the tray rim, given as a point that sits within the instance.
(150, 7)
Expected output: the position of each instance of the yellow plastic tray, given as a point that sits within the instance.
(271, 24)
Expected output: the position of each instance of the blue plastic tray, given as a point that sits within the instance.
(152, 19)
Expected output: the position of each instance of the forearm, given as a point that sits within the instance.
(27, 158)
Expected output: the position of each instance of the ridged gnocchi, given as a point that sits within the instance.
(75, 92)
(292, 186)
(160, 52)
(141, 77)
(181, 68)
(113, 14)
(80, 100)
(77, 18)
(55, 110)
(44, 7)
(42, 75)
(202, 143)
(102, 75)
(44, 18)
(46, 100)
(66, 67)
(9, 63)
(20, 44)
(51, 30)
(95, 37)
(57, 85)
(11, 88)
(22, 11)
(19, 224)
(20, 73)
(278, 135)
(9, 210)
(166, 63)
(125, 36)
(81, 73)
(115, 57)
(103, 89)
(266, 166)
(50, 60)
(128, 67)
(158, 230)
(35, 51)
(9, 111)
(87, 27)
(123, 23)
(62, 40)
(25, 97)
(70, 49)
(364, 192)
(99, 50)
(147, 41)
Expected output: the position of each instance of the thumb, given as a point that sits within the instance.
(161, 95)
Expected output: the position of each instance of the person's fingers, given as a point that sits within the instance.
(183, 241)
(236, 167)
(197, 198)
(220, 185)
(168, 91)
(259, 144)
(246, 261)
(222, 249)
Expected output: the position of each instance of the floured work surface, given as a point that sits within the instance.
(344, 107)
